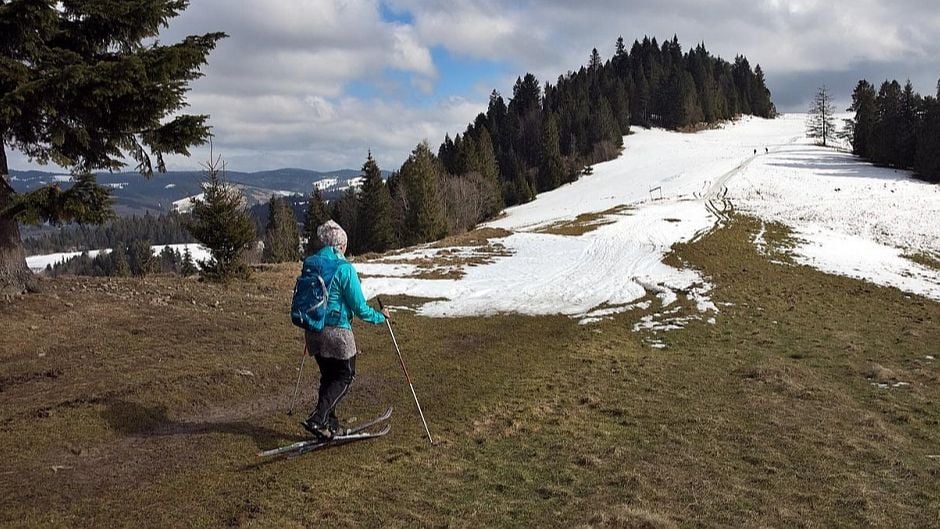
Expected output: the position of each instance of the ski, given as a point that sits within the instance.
(304, 447)
(348, 435)
(369, 424)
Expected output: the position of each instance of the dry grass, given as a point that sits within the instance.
(585, 222)
(126, 404)
(451, 256)
(925, 259)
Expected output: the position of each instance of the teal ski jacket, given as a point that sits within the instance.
(346, 298)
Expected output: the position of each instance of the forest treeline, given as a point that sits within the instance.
(124, 260)
(166, 228)
(896, 127)
(543, 137)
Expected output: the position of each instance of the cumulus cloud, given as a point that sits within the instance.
(280, 89)
(278, 131)
(792, 39)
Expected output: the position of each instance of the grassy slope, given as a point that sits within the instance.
(768, 418)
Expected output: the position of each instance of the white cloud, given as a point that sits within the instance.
(549, 37)
(279, 89)
(326, 134)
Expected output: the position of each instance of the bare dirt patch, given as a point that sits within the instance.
(586, 222)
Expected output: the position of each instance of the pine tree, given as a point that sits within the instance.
(863, 125)
(142, 260)
(552, 168)
(603, 125)
(221, 223)
(595, 62)
(317, 214)
(169, 260)
(281, 236)
(345, 212)
(820, 122)
(375, 213)
(119, 264)
(884, 144)
(910, 108)
(489, 170)
(84, 83)
(188, 265)
(927, 160)
(420, 174)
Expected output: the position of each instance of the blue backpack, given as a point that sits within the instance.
(312, 292)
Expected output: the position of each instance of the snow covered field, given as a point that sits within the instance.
(852, 219)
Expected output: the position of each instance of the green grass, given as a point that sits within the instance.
(769, 418)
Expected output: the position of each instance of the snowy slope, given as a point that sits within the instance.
(604, 271)
(852, 219)
(681, 164)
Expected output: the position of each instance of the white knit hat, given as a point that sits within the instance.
(332, 234)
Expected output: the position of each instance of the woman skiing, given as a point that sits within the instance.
(334, 348)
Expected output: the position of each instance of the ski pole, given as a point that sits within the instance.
(407, 376)
(300, 373)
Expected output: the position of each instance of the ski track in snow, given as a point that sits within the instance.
(849, 217)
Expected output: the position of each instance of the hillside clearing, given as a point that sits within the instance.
(130, 404)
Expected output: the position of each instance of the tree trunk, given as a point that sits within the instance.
(15, 276)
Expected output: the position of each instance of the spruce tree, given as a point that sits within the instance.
(820, 122)
(281, 236)
(863, 124)
(489, 170)
(119, 265)
(221, 223)
(188, 265)
(595, 62)
(420, 173)
(142, 260)
(345, 212)
(909, 120)
(884, 144)
(375, 213)
(317, 213)
(552, 169)
(927, 159)
(169, 260)
(83, 84)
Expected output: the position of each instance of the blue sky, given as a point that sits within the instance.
(318, 83)
(458, 76)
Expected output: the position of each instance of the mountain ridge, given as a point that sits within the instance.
(136, 194)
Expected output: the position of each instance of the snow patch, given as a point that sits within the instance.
(854, 219)
(862, 258)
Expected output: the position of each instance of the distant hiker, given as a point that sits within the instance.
(334, 348)
(766, 150)
(755, 152)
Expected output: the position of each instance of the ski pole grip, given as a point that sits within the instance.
(381, 305)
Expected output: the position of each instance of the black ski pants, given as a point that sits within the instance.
(336, 376)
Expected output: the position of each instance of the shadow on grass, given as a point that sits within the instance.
(133, 419)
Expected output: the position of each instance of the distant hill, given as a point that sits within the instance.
(134, 194)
